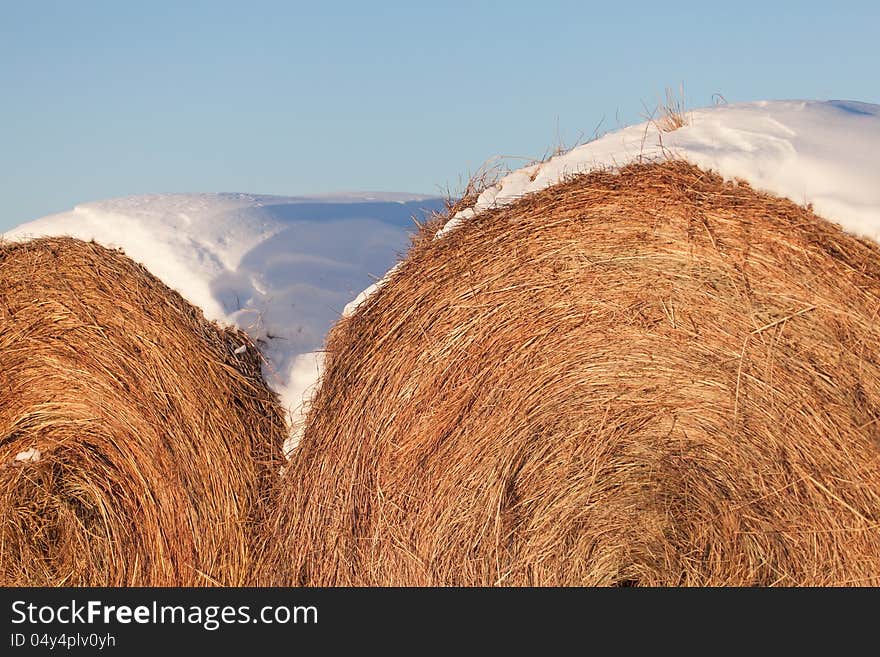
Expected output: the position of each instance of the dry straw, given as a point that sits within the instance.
(643, 377)
(136, 446)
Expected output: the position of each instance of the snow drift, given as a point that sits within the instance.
(820, 153)
(647, 376)
(138, 442)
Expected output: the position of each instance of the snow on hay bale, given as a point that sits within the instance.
(137, 441)
(642, 377)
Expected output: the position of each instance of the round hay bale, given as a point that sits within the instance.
(641, 377)
(136, 446)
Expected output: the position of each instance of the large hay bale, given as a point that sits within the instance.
(136, 445)
(642, 377)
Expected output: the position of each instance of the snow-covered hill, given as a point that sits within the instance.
(280, 268)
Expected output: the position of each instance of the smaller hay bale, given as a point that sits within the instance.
(137, 448)
(640, 377)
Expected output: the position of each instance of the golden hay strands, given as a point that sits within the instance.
(672, 112)
(647, 377)
(158, 444)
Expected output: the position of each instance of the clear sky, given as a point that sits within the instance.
(105, 99)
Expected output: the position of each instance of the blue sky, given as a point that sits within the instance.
(104, 99)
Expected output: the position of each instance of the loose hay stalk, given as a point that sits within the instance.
(157, 443)
(645, 377)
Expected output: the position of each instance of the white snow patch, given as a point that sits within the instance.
(305, 377)
(31, 455)
(366, 293)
